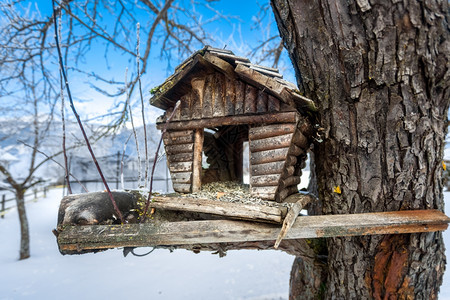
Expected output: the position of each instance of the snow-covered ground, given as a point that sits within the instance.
(160, 275)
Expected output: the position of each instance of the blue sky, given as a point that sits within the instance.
(237, 34)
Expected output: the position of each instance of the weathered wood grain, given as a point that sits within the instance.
(176, 140)
(180, 157)
(268, 168)
(219, 95)
(290, 218)
(280, 141)
(181, 167)
(273, 104)
(283, 117)
(207, 101)
(77, 238)
(267, 156)
(240, 96)
(261, 102)
(182, 148)
(181, 177)
(185, 107)
(230, 96)
(182, 187)
(197, 160)
(198, 86)
(266, 131)
(253, 212)
(265, 180)
(250, 99)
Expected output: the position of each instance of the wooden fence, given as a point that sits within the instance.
(34, 193)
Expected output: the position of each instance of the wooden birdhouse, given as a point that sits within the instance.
(226, 101)
(214, 103)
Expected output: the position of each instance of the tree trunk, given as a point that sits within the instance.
(24, 229)
(378, 72)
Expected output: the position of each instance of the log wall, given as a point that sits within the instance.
(179, 147)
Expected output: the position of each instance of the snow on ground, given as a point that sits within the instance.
(241, 274)
(181, 274)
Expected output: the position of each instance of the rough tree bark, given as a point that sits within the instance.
(378, 70)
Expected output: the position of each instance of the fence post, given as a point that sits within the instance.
(3, 205)
(35, 194)
(45, 192)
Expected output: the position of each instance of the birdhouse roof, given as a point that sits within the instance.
(210, 60)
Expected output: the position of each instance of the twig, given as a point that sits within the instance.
(134, 129)
(63, 72)
(56, 162)
(138, 58)
(147, 204)
(63, 120)
(121, 162)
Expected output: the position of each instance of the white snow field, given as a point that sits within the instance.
(47, 274)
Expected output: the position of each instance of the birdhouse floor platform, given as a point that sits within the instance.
(184, 222)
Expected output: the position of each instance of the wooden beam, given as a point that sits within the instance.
(197, 161)
(73, 239)
(261, 213)
(272, 118)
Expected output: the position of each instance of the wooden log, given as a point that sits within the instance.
(265, 180)
(181, 177)
(182, 148)
(171, 140)
(197, 161)
(252, 212)
(288, 171)
(291, 217)
(94, 208)
(207, 101)
(182, 187)
(287, 191)
(219, 95)
(263, 190)
(230, 96)
(269, 197)
(261, 102)
(295, 150)
(240, 97)
(268, 168)
(185, 107)
(291, 160)
(181, 167)
(300, 140)
(283, 117)
(267, 156)
(220, 65)
(266, 131)
(180, 157)
(276, 142)
(273, 104)
(304, 198)
(74, 239)
(174, 134)
(198, 86)
(250, 99)
(293, 180)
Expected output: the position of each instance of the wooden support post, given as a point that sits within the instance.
(301, 201)
(197, 162)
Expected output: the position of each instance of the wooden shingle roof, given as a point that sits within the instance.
(209, 60)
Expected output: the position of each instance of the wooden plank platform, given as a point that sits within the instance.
(74, 239)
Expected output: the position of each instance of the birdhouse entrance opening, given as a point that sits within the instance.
(223, 154)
